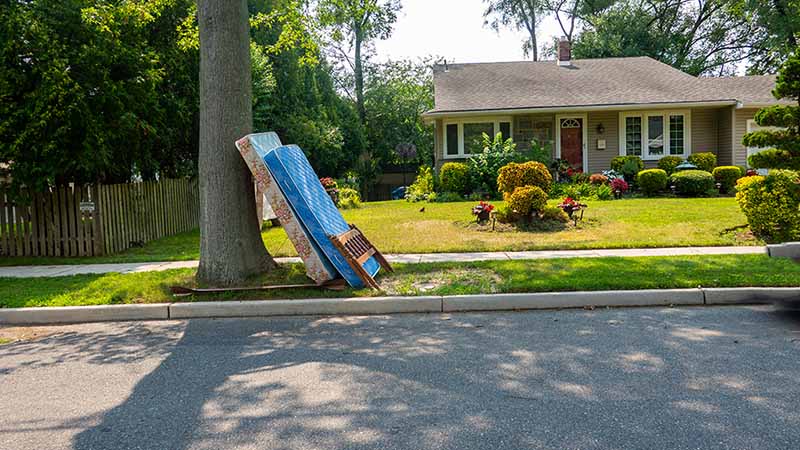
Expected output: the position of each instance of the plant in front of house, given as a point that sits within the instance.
(627, 166)
(579, 191)
(515, 175)
(484, 166)
(454, 177)
(423, 187)
(772, 204)
(693, 183)
(727, 176)
(704, 160)
(604, 192)
(331, 188)
(527, 200)
(598, 179)
(669, 163)
(570, 206)
(349, 198)
(482, 211)
(652, 181)
(619, 186)
(561, 169)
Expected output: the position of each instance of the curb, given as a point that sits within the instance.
(398, 305)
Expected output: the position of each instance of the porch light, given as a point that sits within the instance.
(600, 128)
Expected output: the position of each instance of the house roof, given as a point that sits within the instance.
(526, 85)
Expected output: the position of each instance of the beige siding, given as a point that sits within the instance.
(704, 131)
(725, 136)
(741, 117)
(600, 160)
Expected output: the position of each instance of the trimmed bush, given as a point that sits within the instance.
(554, 213)
(526, 200)
(454, 177)
(726, 176)
(515, 175)
(704, 160)
(598, 178)
(652, 181)
(772, 205)
(618, 163)
(669, 163)
(349, 198)
(693, 183)
(773, 159)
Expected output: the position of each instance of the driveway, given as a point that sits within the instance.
(694, 378)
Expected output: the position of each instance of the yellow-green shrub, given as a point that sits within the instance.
(669, 163)
(726, 176)
(526, 200)
(349, 198)
(651, 181)
(515, 175)
(772, 204)
(454, 177)
(554, 213)
(704, 160)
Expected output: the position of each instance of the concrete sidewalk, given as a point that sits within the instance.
(68, 270)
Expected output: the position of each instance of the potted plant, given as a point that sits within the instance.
(482, 211)
(570, 205)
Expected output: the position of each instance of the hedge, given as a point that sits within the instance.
(516, 175)
(772, 205)
(704, 161)
(454, 177)
(652, 181)
(692, 183)
(726, 176)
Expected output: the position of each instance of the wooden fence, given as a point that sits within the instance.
(96, 220)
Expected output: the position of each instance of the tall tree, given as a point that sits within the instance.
(776, 35)
(231, 248)
(521, 14)
(354, 25)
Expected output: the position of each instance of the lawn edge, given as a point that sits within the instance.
(399, 305)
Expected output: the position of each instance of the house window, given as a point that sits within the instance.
(655, 134)
(633, 135)
(465, 137)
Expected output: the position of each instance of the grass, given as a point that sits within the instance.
(399, 227)
(427, 279)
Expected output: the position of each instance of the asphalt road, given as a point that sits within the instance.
(694, 378)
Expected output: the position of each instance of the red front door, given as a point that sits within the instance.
(572, 141)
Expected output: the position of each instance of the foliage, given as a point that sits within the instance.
(772, 204)
(669, 163)
(628, 166)
(485, 166)
(554, 213)
(784, 143)
(612, 175)
(652, 181)
(579, 190)
(448, 197)
(598, 178)
(619, 184)
(541, 153)
(776, 34)
(526, 200)
(454, 177)
(423, 187)
(704, 161)
(693, 183)
(531, 173)
(604, 192)
(726, 176)
(521, 15)
(349, 198)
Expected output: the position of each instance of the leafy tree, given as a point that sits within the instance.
(520, 14)
(354, 25)
(776, 34)
(783, 142)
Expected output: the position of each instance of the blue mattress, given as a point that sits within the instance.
(313, 207)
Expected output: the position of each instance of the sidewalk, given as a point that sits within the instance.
(67, 270)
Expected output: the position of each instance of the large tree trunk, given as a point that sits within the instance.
(231, 248)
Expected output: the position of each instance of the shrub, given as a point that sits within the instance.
(526, 200)
(652, 181)
(726, 176)
(704, 161)
(628, 166)
(619, 184)
(604, 192)
(554, 213)
(598, 178)
(693, 183)
(448, 197)
(579, 191)
(349, 198)
(772, 204)
(669, 163)
(773, 159)
(504, 214)
(514, 175)
(484, 166)
(454, 177)
(422, 188)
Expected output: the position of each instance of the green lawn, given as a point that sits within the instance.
(399, 227)
(428, 279)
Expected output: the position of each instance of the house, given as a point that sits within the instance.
(592, 110)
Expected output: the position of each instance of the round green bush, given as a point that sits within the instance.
(726, 176)
(515, 175)
(772, 205)
(669, 163)
(704, 160)
(692, 183)
(454, 177)
(526, 200)
(651, 181)
(618, 163)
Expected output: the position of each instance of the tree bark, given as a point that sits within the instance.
(358, 73)
(231, 248)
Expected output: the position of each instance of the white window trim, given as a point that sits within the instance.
(460, 122)
(584, 132)
(646, 156)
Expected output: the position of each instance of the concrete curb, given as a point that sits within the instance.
(785, 250)
(397, 305)
(82, 314)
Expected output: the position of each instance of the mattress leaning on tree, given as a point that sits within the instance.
(313, 207)
(254, 148)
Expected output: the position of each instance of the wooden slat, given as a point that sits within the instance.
(77, 196)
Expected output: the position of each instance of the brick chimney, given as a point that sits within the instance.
(564, 52)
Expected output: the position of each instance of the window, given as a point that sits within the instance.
(633, 135)
(655, 134)
(465, 137)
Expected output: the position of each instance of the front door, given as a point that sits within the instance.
(572, 141)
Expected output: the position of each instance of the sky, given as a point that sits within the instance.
(454, 29)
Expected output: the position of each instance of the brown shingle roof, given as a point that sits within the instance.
(748, 90)
(587, 82)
